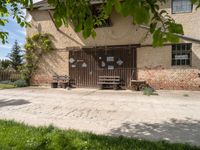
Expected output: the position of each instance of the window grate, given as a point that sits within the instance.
(181, 54)
(181, 6)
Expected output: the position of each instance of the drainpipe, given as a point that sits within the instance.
(188, 38)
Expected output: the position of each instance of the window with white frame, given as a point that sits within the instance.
(181, 54)
(181, 6)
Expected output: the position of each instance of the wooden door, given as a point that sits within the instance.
(87, 64)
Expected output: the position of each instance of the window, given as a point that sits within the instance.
(96, 11)
(181, 6)
(181, 54)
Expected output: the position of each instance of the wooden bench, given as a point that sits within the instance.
(109, 81)
(138, 85)
(64, 81)
(60, 81)
(54, 83)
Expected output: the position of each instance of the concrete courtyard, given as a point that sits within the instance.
(172, 115)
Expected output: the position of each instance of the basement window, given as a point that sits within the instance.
(181, 54)
(181, 6)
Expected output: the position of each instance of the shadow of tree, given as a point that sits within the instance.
(181, 131)
(13, 102)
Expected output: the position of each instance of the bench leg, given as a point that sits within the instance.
(54, 85)
(116, 87)
(101, 87)
(141, 87)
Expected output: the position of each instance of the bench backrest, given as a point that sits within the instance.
(109, 78)
(61, 78)
(55, 78)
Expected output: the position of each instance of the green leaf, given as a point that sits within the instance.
(175, 28)
(157, 38)
(141, 15)
(22, 24)
(94, 34)
(172, 38)
(153, 26)
(117, 6)
(109, 7)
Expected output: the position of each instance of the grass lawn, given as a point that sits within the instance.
(17, 136)
(7, 86)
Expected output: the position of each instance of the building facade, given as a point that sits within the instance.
(122, 49)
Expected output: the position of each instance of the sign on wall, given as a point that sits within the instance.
(120, 62)
(110, 67)
(180, 57)
(71, 60)
(110, 59)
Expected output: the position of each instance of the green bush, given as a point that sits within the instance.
(20, 83)
(6, 82)
(149, 91)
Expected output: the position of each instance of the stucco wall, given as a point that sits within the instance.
(122, 32)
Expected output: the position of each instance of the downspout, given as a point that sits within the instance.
(188, 38)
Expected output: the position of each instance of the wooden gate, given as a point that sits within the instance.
(87, 64)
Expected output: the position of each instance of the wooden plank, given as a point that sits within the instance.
(109, 77)
(89, 76)
(111, 80)
(108, 83)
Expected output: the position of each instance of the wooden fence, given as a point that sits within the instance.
(9, 75)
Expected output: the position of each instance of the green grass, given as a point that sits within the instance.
(185, 95)
(149, 91)
(17, 136)
(7, 86)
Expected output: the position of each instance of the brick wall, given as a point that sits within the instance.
(180, 79)
(154, 66)
(54, 63)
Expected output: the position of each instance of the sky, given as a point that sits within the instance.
(15, 33)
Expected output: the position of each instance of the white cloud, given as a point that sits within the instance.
(6, 46)
(23, 32)
(3, 58)
(17, 35)
(12, 34)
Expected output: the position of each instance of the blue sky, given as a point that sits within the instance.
(15, 33)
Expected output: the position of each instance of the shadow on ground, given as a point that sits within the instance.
(13, 102)
(181, 131)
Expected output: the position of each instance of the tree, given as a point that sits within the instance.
(4, 64)
(16, 59)
(162, 26)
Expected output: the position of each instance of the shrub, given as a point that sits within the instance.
(149, 91)
(6, 82)
(20, 83)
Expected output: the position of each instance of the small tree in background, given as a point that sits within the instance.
(16, 58)
(4, 64)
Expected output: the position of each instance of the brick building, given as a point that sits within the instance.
(173, 66)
